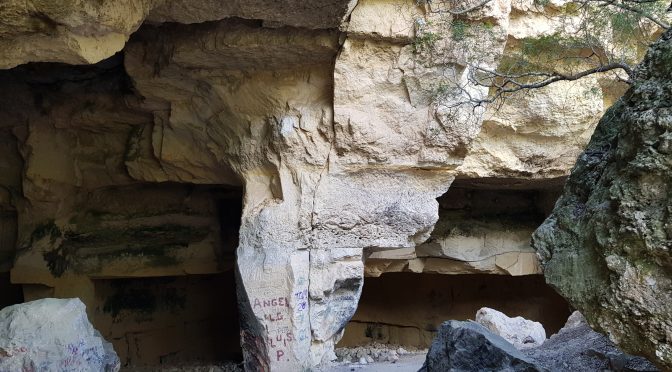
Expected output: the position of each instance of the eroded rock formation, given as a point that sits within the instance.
(606, 247)
(303, 136)
(53, 334)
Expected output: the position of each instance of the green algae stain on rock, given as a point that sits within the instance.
(58, 261)
(142, 298)
(85, 251)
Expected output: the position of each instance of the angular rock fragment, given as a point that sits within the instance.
(576, 347)
(520, 332)
(52, 335)
(468, 346)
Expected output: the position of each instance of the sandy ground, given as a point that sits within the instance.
(408, 362)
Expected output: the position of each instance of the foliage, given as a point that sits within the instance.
(459, 29)
(425, 42)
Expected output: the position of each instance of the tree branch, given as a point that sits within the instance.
(461, 11)
(634, 10)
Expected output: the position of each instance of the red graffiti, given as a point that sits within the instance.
(274, 318)
(280, 339)
(273, 302)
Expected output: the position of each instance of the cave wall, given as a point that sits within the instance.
(153, 139)
(73, 217)
(484, 226)
(407, 308)
(170, 320)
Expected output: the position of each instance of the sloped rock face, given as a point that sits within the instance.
(606, 247)
(576, 347)
(468, 346)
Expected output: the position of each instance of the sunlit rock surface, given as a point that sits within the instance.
(305, 139)
(520, 332)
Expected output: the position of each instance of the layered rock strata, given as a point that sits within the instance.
(303, 136)
(408, 308)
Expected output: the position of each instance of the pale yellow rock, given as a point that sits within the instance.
(88, 31)
(392, 254)
(385, 19)
(298, 13)
(538, 134)
(329, 127)
(72, 31)
(523, 263)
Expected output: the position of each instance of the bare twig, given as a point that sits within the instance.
(592, 51)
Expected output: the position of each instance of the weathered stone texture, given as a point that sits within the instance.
(315, 124)
(88, 31)
(468, 346)
(606, 247)
(52, 334)
(520, 332)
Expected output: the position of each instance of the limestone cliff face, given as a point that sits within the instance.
(606, 247)
(300, 135)
(87, 31)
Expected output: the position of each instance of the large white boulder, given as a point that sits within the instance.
(522, 333)
(52, 335)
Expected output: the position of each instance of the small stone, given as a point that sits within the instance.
(402, 351)
(369, 359)
(362, 360)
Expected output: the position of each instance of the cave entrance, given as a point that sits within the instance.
(155, 265)
(10, 294)
(407, 308)
(478, 255)
(190, 319)
(170, 321)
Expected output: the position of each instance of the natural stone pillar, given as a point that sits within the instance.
(273, 276)
(300, 267)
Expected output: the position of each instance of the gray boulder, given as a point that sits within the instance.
(52, 335)
(468, 346)
(576, 347)
(607, 246)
